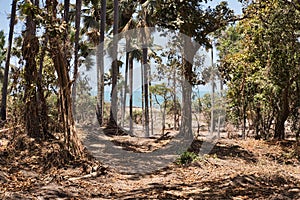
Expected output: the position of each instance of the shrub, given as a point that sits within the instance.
(187, 157)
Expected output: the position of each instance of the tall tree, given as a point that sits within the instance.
(265, 69)
(71, 139)
(147, 8)
(76, 55)
(100, 66)
(7, 61)
(196, 24)
(30, 51)
(115, 69)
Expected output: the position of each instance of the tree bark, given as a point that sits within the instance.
(188, 56)
(146, 90)
(100, 66)
(76, 56)
(282, 115)
(71, 139)
(41, 96)
(30, 51)
(125, 87)
(130, 92)
(113, 120)
(7, 61)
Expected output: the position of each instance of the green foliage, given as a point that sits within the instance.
(192, 19)
(187, 157)
(259, 59)
(161, 90)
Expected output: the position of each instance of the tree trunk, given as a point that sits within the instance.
(151, 109)
(146, 90)
(130, 91)
(282, 115)
(30, 51)
(76, 57)
(212, 77)
(66, 10)
(100, 66)
(71, 139)
(41, 96)
(189, 52)
(174, 100)
(113, 120)
(7, 61)
(143, 93)
(125, 87)
(164, 115)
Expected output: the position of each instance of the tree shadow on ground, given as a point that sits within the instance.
(249, 186)
(225, 151)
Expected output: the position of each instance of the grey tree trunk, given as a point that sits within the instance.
(100, 66)
(130, 92)
(125, 88)
(76, 57)
(189, 52)
(113, 121)
(146, 90)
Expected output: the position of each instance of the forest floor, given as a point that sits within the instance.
(233, 169)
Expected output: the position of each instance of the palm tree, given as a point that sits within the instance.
(115, 69)
(100, 66)
(57, 54)
(7, 61)
(76, 59)
(145, 22)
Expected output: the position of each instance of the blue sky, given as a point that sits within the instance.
(4, 12)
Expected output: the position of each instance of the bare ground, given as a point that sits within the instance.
(234, 169)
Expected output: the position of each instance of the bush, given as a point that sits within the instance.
(187, 158)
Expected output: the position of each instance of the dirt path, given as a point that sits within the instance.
(234, 169)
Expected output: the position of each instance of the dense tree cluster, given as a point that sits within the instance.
(260, 62)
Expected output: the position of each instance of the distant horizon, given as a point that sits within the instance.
(137, 98)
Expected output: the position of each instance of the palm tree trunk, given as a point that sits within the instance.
(130, 91)
(125, 88)
(146, 90)
(7, 61)
(100, 66)
(151, 107)
(143, 93)
(113, 120)
(71, 139)
(174, 99)
(76, 58)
